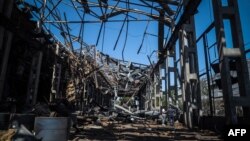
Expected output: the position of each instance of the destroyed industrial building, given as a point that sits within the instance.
(56, 84)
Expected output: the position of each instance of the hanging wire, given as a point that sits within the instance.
(99, 34)
(81, 41)
(104, 29)
(82, 27)
(145, 31)
(125, 42)
(103, 35)
(144, 34)
(120, 33)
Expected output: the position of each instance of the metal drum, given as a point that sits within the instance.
(52, 128)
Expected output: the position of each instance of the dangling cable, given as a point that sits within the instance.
(103, 35)
(119, 33)
(126, 37)
(144, 34)
(99, 34)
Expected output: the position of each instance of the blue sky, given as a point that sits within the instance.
(106, 44)
(136, 30)
(205, 17)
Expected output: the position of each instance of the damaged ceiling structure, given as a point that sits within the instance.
(50, 67)
(75, 61)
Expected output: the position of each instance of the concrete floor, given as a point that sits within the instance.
(144, 131)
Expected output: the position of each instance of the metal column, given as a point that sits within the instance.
(5, 44)
(160, 48)
(34, 79)
(189, 72)
(237, 54)
(182, 80)
(205, 45)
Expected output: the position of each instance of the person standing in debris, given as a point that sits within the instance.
(163, 116)
(171, 114)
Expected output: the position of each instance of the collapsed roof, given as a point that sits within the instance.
(114, 76)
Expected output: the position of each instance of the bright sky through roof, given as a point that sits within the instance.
(136, 30)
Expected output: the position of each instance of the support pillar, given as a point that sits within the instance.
(237, 54)
(5, 43)
(160, 49)
(190, 72)
(205, 44)
(34, 79)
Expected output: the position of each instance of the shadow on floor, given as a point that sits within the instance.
(140, 134)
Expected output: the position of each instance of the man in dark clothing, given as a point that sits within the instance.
(163, 116)
(171, 114)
